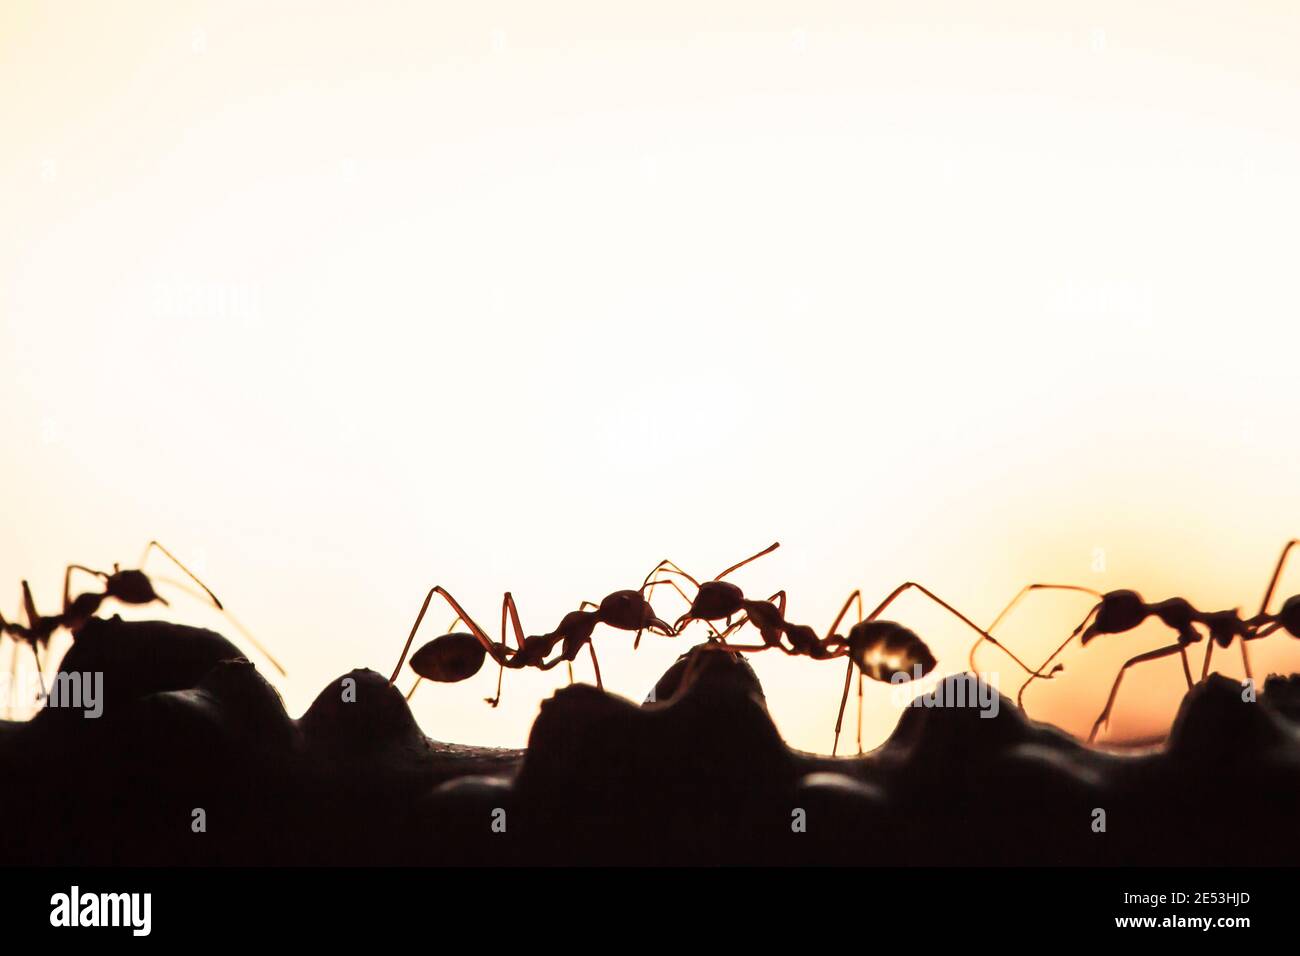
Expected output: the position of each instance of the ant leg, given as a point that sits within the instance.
(861, 677)
(29, 608)
(1277, 574)
(953, 611)
(753, 557)
(670, 568)
(508, 609)
(591, 646)
(844, 699)
(1020, 595)
(511, 612)
(855, 597)
(674, 585)
(464, 616)
(1209, 650)
(501, 673)
(1158, 653)
(67, 582)
(13, 678)
(188, 573)
(1020, 695)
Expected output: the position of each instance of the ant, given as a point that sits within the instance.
(1226, 626)
(129, 586)
(1223, 626)
(889, 652)
(1122, 610)
(132, 586)
(454, 657)
(36, 634)
(717, 600)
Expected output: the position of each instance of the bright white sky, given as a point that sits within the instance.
(341, 301)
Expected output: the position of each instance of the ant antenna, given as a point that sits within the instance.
(753, 557)
(190, 574)
(235, 622)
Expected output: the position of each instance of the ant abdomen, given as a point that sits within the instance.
(449, 658)
(884, 649)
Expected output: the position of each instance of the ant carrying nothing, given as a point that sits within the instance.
(455, 657)
(1224, 627)
(129, 586)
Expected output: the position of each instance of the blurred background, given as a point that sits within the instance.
(340, 301)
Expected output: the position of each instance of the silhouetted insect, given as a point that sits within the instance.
(884, 650)
(447, 656)
(129, 586)
(1120, 611)
(133, 586)
(35, 634)
(719, 600)
(1224, 628)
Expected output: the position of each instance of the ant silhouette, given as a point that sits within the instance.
(133, 586)
(128, 586)
(1122, 610)
(35, 634)
(888, 652)
(454, 657)
(1223, 626)
(717, 600)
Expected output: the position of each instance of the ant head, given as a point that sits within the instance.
(449, 658)
(630, 611)
(131, 587)
(1289, 616)
(1118, 611)
(885, 651)
(715, 600)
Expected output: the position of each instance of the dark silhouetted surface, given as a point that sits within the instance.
(702, 777)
